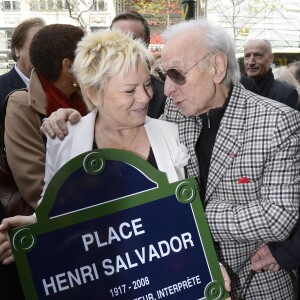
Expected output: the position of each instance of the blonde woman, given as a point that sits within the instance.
(112, 70)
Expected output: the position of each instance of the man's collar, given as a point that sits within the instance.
(23, 77)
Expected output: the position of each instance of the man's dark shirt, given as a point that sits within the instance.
(206, 141)
(157, 103)
(277, 90)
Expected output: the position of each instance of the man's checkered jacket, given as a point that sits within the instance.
(253, 188)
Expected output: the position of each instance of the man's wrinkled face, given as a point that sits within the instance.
(257, 59)
(193, 90)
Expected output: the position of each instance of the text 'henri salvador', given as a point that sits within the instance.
(108, 267)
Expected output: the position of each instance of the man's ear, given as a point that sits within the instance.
(220, 63)
(17, 52)
(271, 58)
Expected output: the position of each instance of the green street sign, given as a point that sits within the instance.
(111, 226)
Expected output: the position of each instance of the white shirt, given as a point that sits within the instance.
(23, 77)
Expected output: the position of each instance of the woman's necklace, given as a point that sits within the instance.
(127, 148)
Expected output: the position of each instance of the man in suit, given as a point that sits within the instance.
(131, 21)
(18, 76)
(258, 58)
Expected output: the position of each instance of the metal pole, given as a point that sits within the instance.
(188, 7)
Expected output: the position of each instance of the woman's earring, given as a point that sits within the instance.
(75, 85)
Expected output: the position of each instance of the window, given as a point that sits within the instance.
(99, 5)
(10, 5)
(54, 5)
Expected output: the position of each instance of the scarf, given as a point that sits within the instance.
(264, 84)
(57, 99)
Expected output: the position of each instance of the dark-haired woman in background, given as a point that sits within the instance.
(52, 86)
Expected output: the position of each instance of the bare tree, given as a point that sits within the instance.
(77, 10)
(241, 14)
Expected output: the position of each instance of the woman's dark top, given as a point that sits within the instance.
(150, 159)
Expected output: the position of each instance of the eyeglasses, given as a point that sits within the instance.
(176, 75)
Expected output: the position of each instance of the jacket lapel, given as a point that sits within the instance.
(225, 150)
(160, 149)
(228, 141)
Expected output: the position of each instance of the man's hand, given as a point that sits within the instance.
(56, 124)
(6, 256)
(264, 260)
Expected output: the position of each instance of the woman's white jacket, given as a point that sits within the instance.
(163, 137)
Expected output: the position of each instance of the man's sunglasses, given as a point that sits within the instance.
(176, 75)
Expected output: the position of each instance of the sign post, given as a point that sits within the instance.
(111, 226)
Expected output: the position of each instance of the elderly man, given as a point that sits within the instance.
(245, 151)
(244, 148)
(258, 58)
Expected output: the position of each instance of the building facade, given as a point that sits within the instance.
(90, 15)
(280, 23)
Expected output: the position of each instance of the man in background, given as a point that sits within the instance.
(131, 21)
(18, 76)
(258, 58)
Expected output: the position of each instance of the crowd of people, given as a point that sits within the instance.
(242, 133)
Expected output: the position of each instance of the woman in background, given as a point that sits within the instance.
(52, 86)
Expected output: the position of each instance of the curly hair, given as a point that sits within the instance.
(51, 45)
(101, 55)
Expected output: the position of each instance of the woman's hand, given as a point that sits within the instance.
(6, 256)
(227, 281)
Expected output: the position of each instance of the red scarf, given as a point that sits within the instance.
(57, 99)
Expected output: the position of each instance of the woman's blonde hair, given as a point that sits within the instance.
(101, 55)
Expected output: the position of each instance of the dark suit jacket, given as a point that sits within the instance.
(249, 84)
(9, 82)
(287, 253)
(157, 103)
(283, 93)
